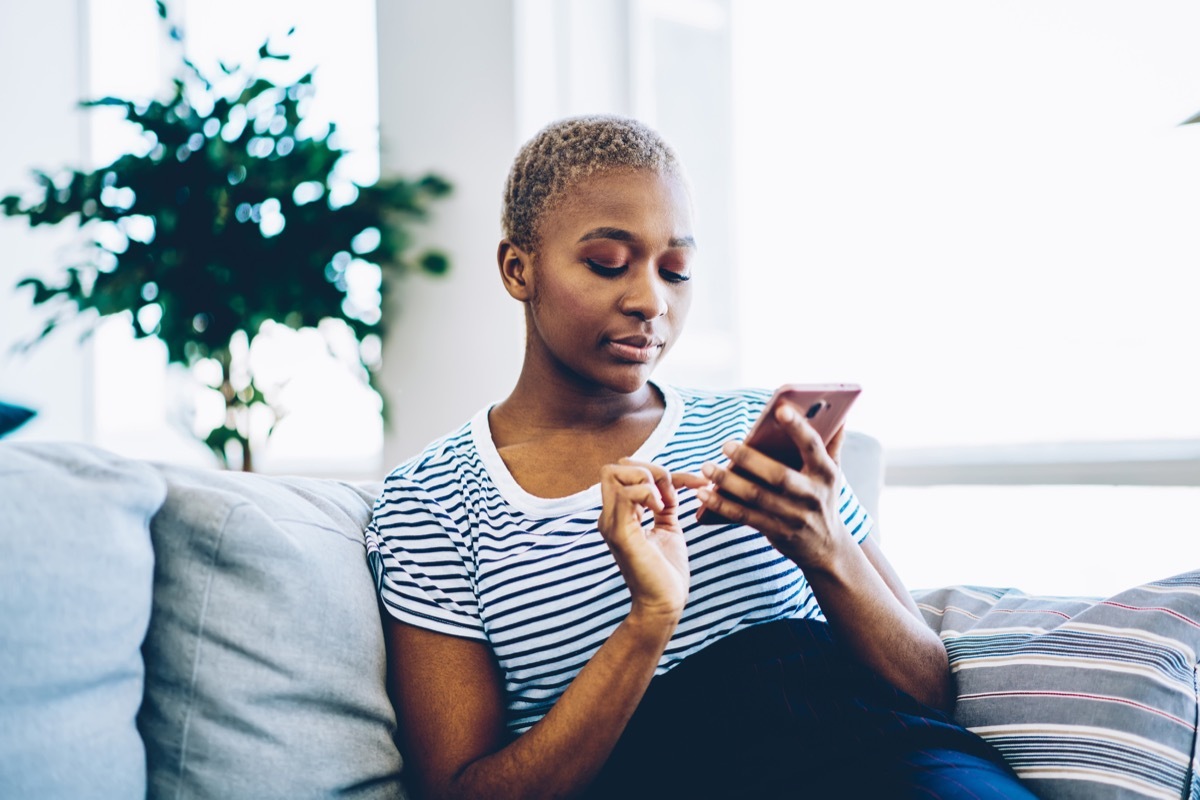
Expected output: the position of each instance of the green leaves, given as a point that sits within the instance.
(264, 53)
(435, 263)
(41, 292)
(232, 215)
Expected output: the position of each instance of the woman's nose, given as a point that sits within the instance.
(645, 295)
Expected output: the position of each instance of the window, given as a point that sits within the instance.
(332, 424)
(985, 214)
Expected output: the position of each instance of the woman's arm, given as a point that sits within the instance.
(450, 704)
(858, 590)
(883, 627)
(449, 692)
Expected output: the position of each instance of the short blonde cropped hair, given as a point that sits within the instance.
(567, 151)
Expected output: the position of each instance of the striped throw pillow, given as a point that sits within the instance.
(1085, 697)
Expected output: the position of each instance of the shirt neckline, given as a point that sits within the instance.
(519, 498)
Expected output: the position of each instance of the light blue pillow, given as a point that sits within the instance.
(76, 574)
(265, 659)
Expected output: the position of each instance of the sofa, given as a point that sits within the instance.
(177, 632)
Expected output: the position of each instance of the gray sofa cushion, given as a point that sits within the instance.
(1086, 698)
(76, 572)
(265, 656)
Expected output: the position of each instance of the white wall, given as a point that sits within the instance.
(455, 342)
(42, 50)
(681, 64)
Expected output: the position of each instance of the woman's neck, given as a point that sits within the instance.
(555, 439)
(538, 403)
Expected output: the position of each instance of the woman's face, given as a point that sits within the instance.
(609, 283)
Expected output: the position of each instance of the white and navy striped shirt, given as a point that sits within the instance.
(458, 547)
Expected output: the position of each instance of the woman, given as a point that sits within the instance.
(558, 621)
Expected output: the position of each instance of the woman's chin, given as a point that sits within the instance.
(630, 378)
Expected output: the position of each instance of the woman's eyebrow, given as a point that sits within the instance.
(622, 235)
(618, 234)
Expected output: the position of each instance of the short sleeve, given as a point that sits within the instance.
(855, 517)
(422, 562)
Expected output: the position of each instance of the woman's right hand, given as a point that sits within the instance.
(450, 692)
(652, 560)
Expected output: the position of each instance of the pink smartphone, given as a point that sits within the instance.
(825, 405)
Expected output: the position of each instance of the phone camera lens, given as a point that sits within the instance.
(815, 409)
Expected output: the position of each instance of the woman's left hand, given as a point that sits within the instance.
(795, 509)
(859, 592)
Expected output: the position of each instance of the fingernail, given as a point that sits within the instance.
(708, 470)
(704, 493)
(729, 448)
(786, 414)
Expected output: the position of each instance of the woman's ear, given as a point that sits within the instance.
(514, 270)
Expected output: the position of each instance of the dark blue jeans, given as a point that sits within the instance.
(781, 710)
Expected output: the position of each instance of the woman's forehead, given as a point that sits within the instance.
(629, 204)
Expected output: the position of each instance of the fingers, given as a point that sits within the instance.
(796, 495)
(756, 490)
(688, 480)
(816, 460)
(629, 487)
(628, 482)
(798, 518)
(813, 450)
(665, 482)
(735, 511)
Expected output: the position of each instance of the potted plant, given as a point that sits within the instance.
(231, 214)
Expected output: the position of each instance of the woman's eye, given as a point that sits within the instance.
(603, 269)
(671, 276)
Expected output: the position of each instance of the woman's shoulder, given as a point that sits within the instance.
(445, 455)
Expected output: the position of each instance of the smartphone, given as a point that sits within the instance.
(824, 405)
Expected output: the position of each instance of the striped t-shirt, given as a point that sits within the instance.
(458, 547)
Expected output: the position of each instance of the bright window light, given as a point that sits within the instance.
(332, 423)
(986, 214)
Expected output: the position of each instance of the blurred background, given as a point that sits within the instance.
(985, 213)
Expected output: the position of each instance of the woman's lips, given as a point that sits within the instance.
(638, 349)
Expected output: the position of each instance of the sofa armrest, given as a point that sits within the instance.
(862, 464)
